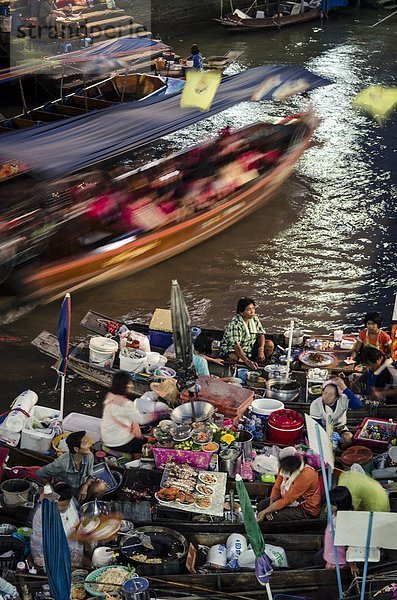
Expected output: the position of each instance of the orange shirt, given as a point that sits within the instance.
(380, 340)
(305, 490)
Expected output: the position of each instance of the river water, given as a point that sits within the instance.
(322, 251)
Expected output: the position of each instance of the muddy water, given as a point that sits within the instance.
(323, 251)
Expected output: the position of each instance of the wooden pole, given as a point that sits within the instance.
(384, 19)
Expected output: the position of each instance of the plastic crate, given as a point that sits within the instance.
(378, 445)
(79, 422)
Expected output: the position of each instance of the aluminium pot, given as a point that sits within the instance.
(297, 337)
(285, 390)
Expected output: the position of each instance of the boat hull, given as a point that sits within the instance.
(234, 24)
(132, 255)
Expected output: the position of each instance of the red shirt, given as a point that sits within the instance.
(380, 340)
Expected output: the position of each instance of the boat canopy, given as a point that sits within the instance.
(124, 47)
(111, 49)
(73, 144)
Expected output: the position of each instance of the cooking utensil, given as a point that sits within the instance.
(169, 546)
(183, 413)
(282, 389)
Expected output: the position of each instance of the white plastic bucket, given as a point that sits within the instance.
(133, 362)
(102, 351)
(265, 406)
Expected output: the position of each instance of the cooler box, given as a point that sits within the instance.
(79, 422)
(39, 440)
(375, 433)
(160, 328)
(284, 427)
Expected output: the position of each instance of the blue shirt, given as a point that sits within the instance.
(197, 61)
(201, 365)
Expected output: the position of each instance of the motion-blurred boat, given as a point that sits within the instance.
(55, 246)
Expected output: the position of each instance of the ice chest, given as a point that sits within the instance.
(79, 422)
(160, 328)
(375, 433)
(39, 440)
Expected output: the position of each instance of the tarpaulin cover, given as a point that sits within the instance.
(72, 144)
(111, 48)
(131, 47)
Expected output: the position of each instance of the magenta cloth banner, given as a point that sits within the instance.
(198, 459)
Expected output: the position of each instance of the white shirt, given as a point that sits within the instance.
(113, 434)
(339, 415)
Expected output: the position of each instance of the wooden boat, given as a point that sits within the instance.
(98, 96)
(95, 322)
(274, 15)
(86, 262)
(209, 62)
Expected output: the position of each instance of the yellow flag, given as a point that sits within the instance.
(200, 88)
(377, 100)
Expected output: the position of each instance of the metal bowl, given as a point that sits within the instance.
(183, 413)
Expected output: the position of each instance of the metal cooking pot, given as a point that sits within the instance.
(282, 389)
(297, 337)
(230, 460)
(162, 539)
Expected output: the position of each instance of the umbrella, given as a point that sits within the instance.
(263, 564)
(56, 551)
(63, 335)
(182, 334)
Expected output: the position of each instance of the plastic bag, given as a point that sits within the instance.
(277, 555)
(130, 336)
(265, 464)
(357, 468)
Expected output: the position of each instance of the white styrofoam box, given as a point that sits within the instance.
(44, 412)
(79, 422)
(38, 440)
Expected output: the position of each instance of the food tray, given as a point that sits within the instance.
(378, 445)
(218, 497)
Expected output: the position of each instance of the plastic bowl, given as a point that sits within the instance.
(92, 578)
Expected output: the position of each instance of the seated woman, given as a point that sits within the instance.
(372, 335)
(339, 398)
(296, 492)
(69, 516)
(120, 425)
(244, 337)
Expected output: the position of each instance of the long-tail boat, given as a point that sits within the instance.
(97, 323)
(273, 15)
(115, 251)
